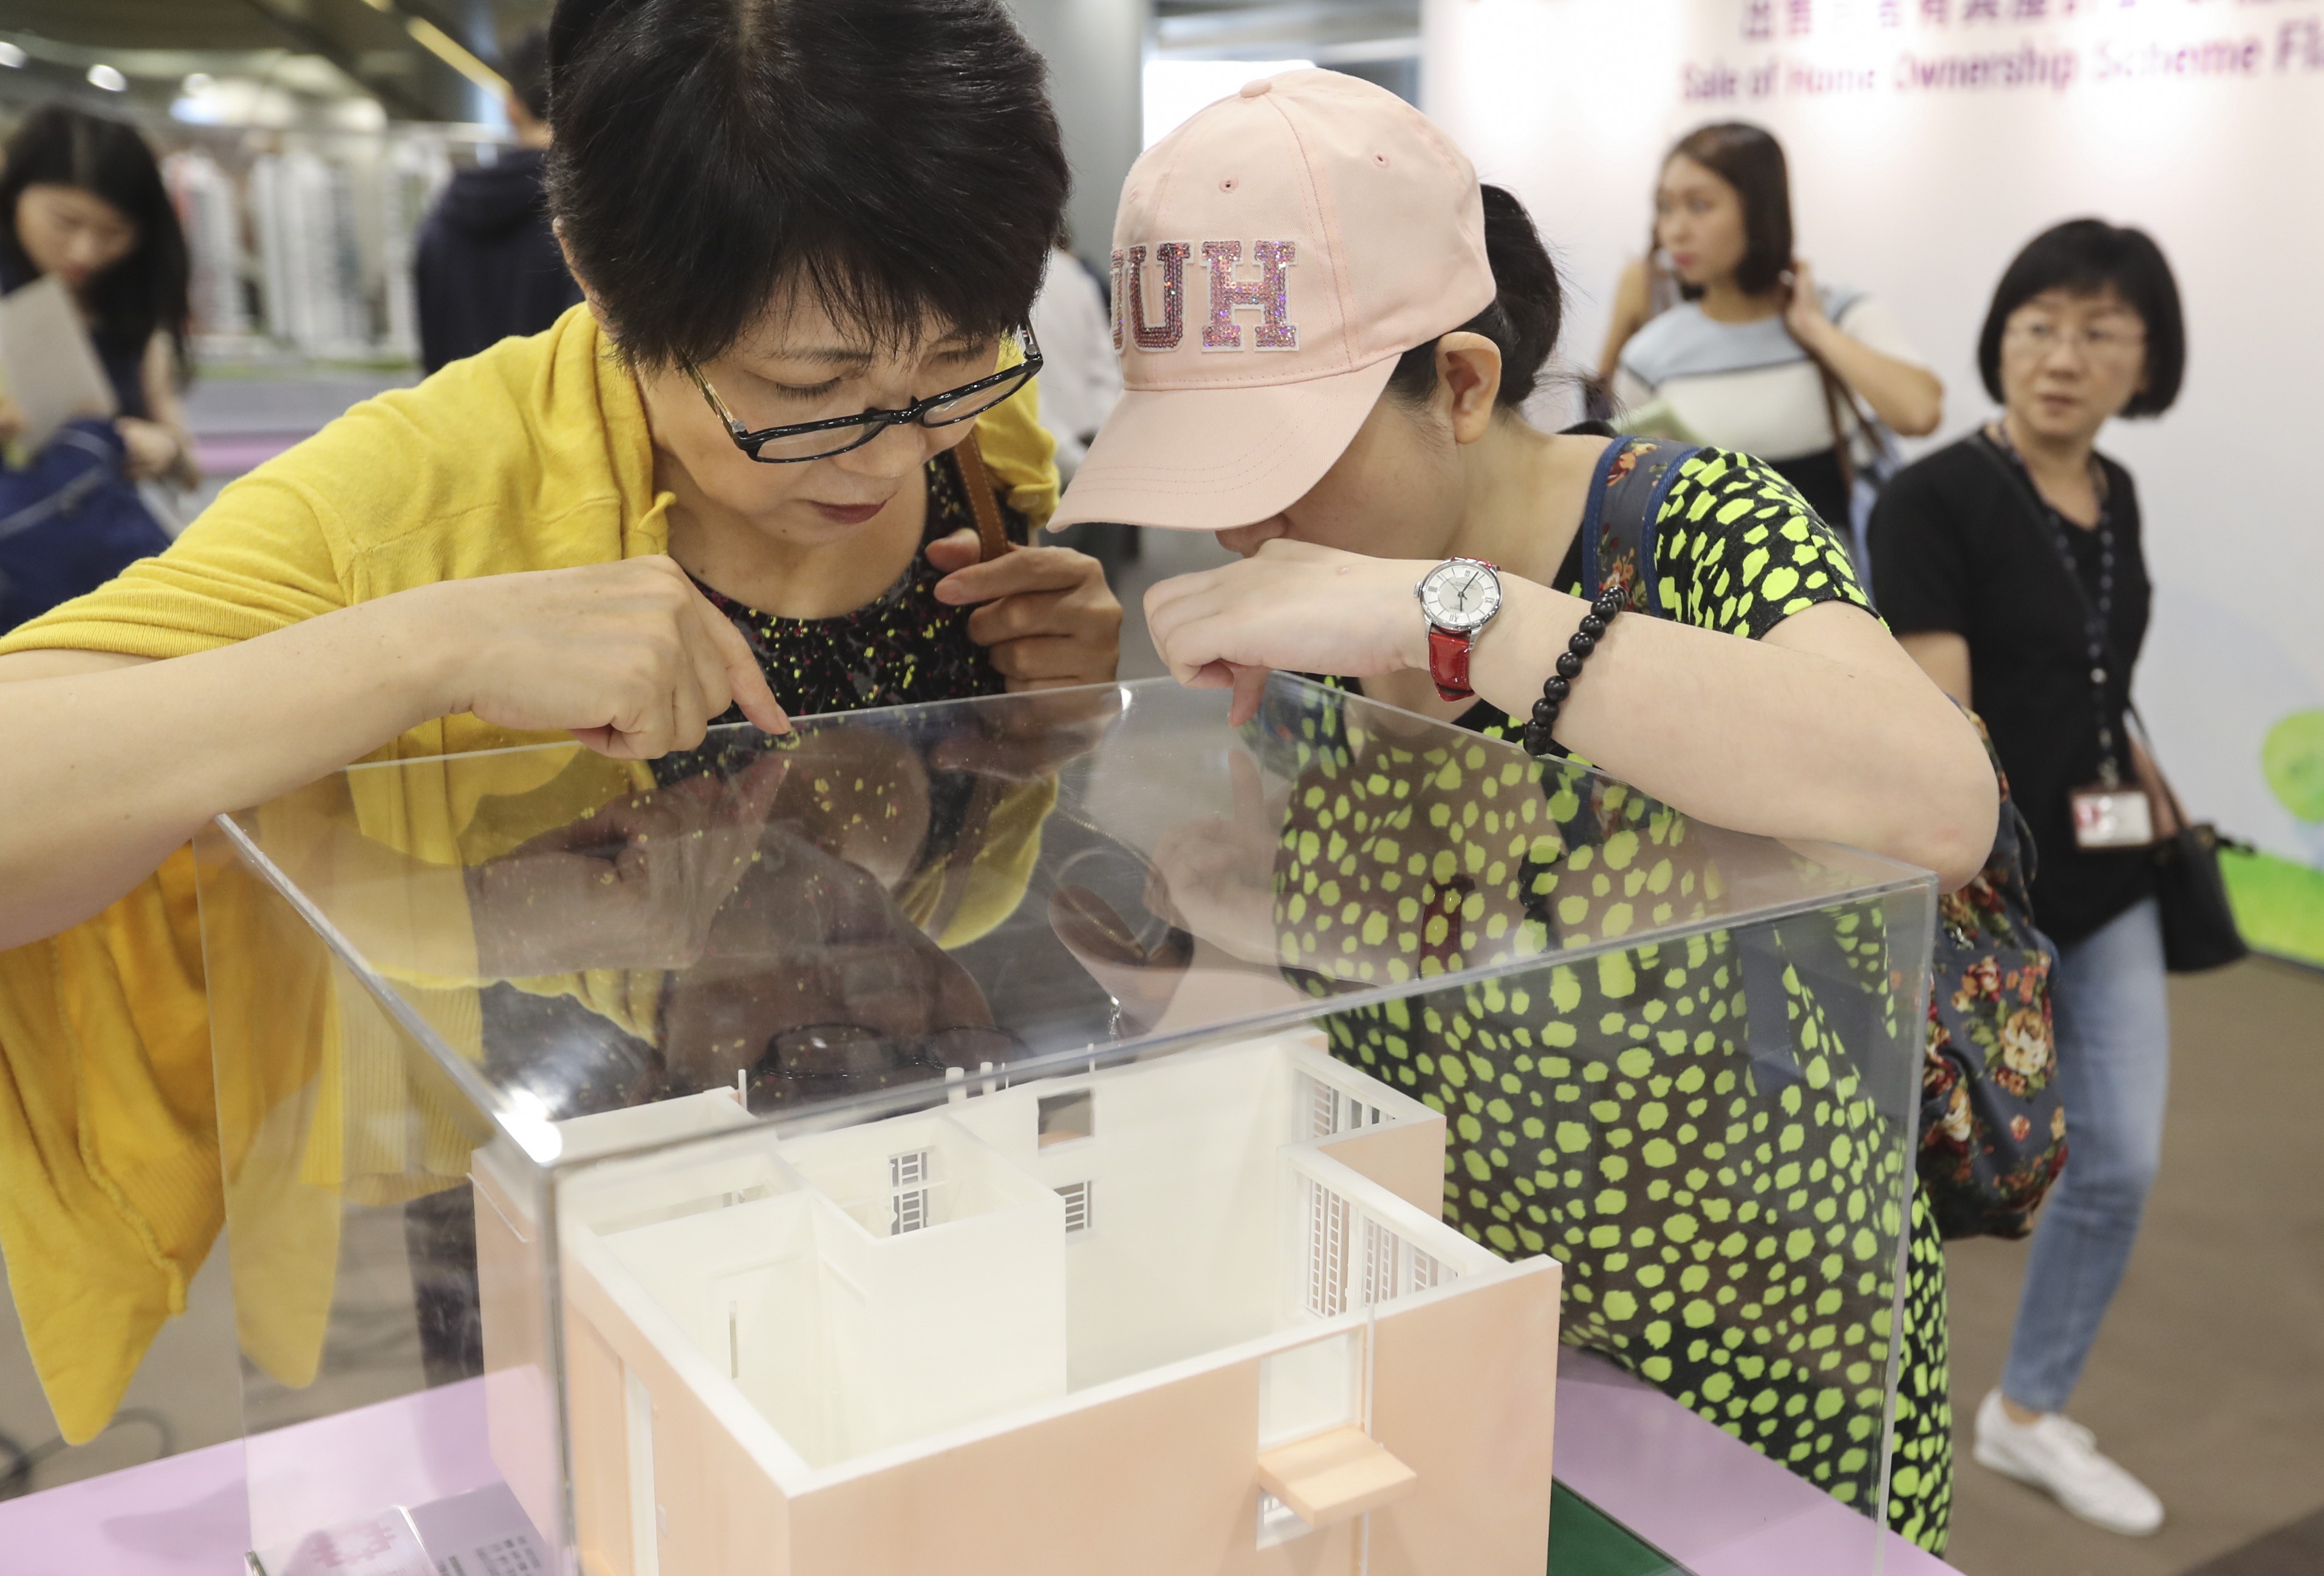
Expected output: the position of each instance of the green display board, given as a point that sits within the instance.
(2279, 904)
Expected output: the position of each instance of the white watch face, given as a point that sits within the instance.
(1459, 594)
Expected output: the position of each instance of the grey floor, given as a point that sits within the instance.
(2209, 1379)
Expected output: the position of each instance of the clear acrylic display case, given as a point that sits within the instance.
(1044, 1133)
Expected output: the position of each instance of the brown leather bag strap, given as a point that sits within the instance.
(1838, 400)
(1837, 396)
(2146, 743)
(991, 536)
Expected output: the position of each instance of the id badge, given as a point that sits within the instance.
(2112, 817)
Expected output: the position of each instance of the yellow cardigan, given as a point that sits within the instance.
(534, 455)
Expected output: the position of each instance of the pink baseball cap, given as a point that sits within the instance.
(1272, 258)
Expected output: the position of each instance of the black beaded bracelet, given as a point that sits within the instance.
(1560, 684)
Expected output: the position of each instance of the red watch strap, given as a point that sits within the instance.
(1448, 662)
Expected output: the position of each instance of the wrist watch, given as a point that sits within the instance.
(1458, 598)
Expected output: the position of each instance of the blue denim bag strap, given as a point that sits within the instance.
(1620, 534)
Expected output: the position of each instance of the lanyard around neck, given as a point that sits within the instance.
(2098, 614)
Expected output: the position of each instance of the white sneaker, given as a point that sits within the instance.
(2062, 1458)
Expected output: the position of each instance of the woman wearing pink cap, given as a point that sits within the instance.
(1327, 329)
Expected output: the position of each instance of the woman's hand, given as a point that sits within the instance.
(1290, 605)
(11, 419)
(1048, 619)
(153, 450)
(1907, 397)
(1803, 312)
(628, 657)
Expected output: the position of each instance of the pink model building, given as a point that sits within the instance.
(1193, 1314)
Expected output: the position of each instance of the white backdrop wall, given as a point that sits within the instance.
(1929, 139)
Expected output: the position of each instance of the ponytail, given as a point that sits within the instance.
(1523, 322)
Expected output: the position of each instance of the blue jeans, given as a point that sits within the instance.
(2114, 1070)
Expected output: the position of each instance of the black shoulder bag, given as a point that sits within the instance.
(2199, 923)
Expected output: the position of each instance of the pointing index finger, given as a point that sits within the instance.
(743, 675)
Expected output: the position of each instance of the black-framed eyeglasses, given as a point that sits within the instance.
(819, 440)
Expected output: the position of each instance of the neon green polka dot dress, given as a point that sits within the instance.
(1690, 1126)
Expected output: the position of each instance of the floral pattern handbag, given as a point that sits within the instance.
(1993, 1122)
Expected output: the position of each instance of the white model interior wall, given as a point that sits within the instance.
(1175, 1261)
(850, 1340)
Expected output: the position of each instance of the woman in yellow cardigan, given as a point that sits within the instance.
(730, 484)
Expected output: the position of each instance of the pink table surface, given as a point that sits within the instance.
(188, 1515)
(1705, 1499)
(1701, 1496)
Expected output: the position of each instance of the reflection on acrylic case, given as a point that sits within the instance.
(935, 1166)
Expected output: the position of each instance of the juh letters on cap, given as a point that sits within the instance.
(1269, 295)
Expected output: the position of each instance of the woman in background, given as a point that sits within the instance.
(2009, 566)
(81, 200)
(84, 201)
(1722, 335)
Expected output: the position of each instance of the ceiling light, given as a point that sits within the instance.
(10, 55)
(454, 54)
(196, 84)
(103, 76)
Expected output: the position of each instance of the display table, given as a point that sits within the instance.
(1057, 1132)
(1639, 1477)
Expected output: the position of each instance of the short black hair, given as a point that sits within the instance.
(145, 292)
(1528, 310)
(1749, 158)
(896, 159)
(524, 66)
(2086, 257)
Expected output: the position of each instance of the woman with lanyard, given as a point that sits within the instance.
(738, 481)
(1327, 329)
(2009, 564)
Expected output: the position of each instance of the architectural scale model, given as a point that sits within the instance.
(1194, 1314)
